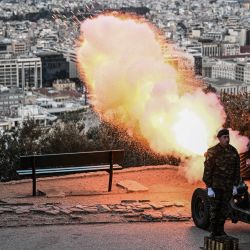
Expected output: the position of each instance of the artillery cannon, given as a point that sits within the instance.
(238, 207)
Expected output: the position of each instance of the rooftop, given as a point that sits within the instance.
(219, 82)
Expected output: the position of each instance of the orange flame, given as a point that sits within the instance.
(123, 61)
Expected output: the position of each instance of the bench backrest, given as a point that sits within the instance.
(72, 159)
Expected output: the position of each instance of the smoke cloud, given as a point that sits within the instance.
(122, 61)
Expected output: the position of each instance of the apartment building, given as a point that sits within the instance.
(231, 69)
(29, 72)
(232, 87)
(211, 49)
(224, 69)
(23, 72)
(8, 72)
(239, 72)
(18, 47)
(230, 49)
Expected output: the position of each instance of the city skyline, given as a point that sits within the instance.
(38, 41)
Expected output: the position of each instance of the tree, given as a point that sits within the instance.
(237, 108)
(29, 136)
(64, 137)
(24, 140)
(209, 88)
(9, 156)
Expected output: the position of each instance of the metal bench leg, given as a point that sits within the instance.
(110, 180)
(33, 178)
(111, 170)
(34, 187)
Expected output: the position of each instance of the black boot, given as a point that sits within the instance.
(221, 231)
(213, 230)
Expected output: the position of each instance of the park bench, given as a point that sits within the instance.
(68, 163)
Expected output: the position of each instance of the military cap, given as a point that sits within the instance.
(222, 132)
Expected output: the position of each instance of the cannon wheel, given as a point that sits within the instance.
(200, 208)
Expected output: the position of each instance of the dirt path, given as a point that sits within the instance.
(163, 183)
(85, 198)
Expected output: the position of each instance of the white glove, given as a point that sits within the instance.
(210, 192)
(235, 191)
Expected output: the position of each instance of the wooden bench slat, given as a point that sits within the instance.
(72, 159)
(62, 170)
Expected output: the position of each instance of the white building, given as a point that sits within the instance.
(224, 69)
(24, 113)
(230, 49)
(196, 33)
(62, 84)
(243, 36)
(247, 73)
(56, 108)
(29, 72)
(232, 87)
(8, 72)
(19, 47)
(211, 49)
(23, 72)
(10, 99)
(232, 69)
(213, 35)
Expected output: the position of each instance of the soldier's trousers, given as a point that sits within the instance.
(219, 206)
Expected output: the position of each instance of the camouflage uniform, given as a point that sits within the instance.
(221, 173)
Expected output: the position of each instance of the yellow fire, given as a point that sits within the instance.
(188, 125)
(123, 61)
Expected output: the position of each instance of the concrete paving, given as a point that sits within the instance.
(19, 214)
(121, 236)
(132, 186)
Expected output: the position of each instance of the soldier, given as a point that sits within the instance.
(221, 176)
